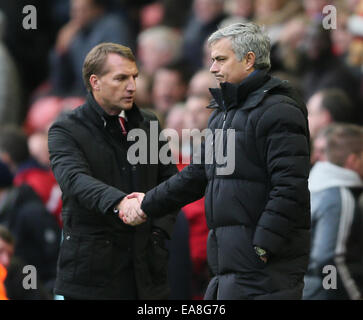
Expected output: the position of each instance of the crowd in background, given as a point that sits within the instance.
(41, 77)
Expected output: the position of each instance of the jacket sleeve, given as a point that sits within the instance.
(182, 188)
(71, 169)
(282, 141)
(325, 219)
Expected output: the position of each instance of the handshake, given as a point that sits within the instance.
(130, 209)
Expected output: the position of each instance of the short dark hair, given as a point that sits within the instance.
(338, 104)
(14, 142)
(6, 235)
(95, 60)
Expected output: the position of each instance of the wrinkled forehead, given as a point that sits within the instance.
(221, 47)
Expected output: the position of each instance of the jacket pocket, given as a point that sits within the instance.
(67, 258)
(85, 260)
(101, 262)
(158, 259)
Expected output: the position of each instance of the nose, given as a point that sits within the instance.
(213, 68)
(131, 85)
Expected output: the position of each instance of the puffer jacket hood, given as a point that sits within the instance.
(325, 175)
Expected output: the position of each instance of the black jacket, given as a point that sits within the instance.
(36, 232)
(88, 156)
(265, 200)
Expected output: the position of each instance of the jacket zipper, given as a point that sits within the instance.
(214, 173)
(224, 119)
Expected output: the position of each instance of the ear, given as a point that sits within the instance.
(94, 82)
(352, 162)
(250, 60)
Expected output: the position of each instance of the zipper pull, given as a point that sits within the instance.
(224, 119)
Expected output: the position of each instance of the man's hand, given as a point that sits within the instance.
(136, 195)
(130, 211)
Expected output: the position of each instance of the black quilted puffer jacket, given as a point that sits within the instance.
(264, 202)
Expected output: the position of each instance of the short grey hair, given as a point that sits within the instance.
(246, 37)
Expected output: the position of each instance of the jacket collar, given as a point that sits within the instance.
(101, 118)
(247, 94)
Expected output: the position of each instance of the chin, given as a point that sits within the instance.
(127, 106)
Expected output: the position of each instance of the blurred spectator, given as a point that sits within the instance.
(336, 188)
(240, 8)
(10, 87)
(200, 83)
(38, 148)
(341, 35)
(197, 113)
(327, 106)
(46, 109)
(14, 269)
(35, 230)
(355, 52)
(176, 12)
(285, 54)
(175, 120)
(151, 15)
(29, 48)
(273, 14)
(90, 24)
(143, 92)
(14, 151)
(324, 70)
(169, 87)
(318, 152)
(314, 9)
(206, 59)
(206, 16)
(157, 47)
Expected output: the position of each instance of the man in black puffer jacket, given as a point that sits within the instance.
(259, 214)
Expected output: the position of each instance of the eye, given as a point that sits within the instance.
(121, 78)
